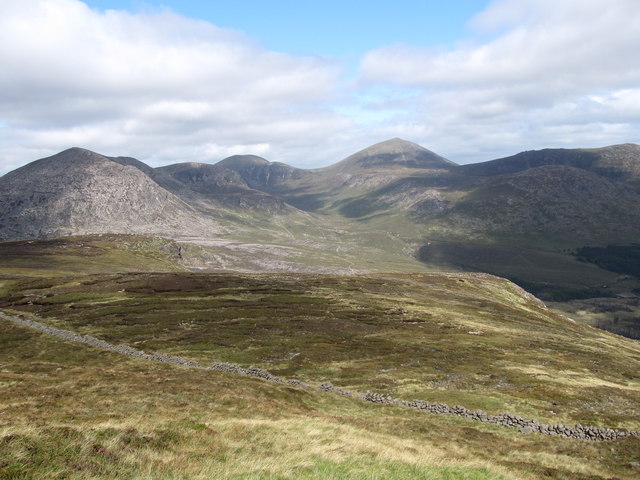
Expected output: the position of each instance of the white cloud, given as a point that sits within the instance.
(530, 78)
(164, 88)
(151, 85)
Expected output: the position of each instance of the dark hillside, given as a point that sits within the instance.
(619, 162)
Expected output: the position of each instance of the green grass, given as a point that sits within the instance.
(462, 337)
(71, 411)
(368, 469)
(65, 452)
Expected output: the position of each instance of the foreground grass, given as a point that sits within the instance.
(468, 339)
(71, 411)
(75, 412)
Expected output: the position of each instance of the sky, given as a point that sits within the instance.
(309, 83)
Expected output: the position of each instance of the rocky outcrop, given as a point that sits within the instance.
(525, 425)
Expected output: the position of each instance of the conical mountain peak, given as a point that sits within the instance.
(78, 191)
(393, 145)
(243, 161)
(394, 152)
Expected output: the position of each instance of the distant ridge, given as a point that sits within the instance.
(615, 161)
(554, 198)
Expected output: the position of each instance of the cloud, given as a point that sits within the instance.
(158, 86)
(533, 68)
(165, 88)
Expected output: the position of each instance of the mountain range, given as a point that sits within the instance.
(392, 206)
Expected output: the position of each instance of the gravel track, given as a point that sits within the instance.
(524, 425)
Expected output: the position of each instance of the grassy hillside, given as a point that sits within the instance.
(71, 411)
(88, 254)
(74, 412)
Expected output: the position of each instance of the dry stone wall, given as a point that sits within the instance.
(524, 425)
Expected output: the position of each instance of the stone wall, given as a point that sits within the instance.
(524, 425)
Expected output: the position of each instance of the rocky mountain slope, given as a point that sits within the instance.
(78, 191)
(212, 186)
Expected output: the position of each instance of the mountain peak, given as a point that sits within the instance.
(243, 161)
(69, 159)
(394, 144)
(77, 153)
(394, 152)
(78, 191)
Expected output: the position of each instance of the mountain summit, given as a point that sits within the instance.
(393, 153)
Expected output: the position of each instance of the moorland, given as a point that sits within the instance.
(394, 274)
